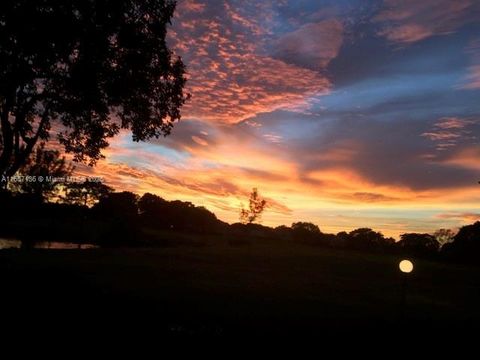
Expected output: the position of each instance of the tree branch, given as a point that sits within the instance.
(30, 144)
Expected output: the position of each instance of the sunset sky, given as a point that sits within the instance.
(344, 113)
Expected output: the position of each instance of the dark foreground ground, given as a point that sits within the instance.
(261, 290)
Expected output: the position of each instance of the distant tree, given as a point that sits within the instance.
(418, 244)
(444, 236)
(86, 193)
(366, 239)
(156, 212)
(306, 227)
(306, 232)
(87, 69)
(150, 203)
(256, 206)
(43, 173)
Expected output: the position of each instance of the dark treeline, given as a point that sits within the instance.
(126, 219)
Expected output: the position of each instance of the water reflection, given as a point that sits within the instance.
(16, 244)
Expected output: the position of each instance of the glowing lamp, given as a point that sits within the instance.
(406, 266)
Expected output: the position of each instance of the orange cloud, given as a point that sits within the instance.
(468, 158)
(326, 197)
(372, 197)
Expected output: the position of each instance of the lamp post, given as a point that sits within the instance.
(406, 267)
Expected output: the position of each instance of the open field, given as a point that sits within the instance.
(260, 289)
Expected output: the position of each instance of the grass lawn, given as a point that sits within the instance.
(267, 288)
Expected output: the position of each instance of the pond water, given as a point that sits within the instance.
(16, 244)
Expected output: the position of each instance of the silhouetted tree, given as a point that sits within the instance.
(153, 210)
(283, 232)
(150, 203)
(306, 232)
(367, 239)
(444, 236)
(418, 244)
(204, 221)
(92, 68)
(466, 243)
(306, 227)
(86, 193)
(341, 239)
(390, 241)
(121, 205)
(156, 212)
(256, 206)
(43, 174)
(119, 213)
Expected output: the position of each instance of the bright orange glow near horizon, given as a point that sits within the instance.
(341, 116)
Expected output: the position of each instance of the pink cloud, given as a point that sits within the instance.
(276, 139)
(453, 123)
(409, 21)
(192, 6)
(448, 131)
(472, 80)
(316, 43)
(232, 77)
(407, 33)
(441, 135)
(200, 141)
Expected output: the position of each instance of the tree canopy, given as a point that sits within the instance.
(364, 238)
(86, 193)
(85, 69)
(419, 244)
